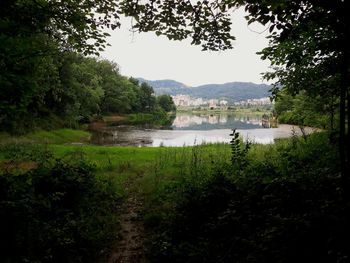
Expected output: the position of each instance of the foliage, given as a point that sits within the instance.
(45, 80)
(305, 53)
(34, 37)
(284, 205)
(156, 118)
(53, 210)
(239, 150)
(166, 103)
(202, 21)
(70, 24)
(309, 51)
(305, 110)
(79, 88)
(146, 98)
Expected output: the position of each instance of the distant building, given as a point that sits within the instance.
(213, 103)
(181, 100)
(254, 102)
(199, 102)
(186, 100)
(223, 104)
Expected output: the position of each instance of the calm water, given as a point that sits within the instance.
(192, 129)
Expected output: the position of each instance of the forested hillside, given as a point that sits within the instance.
(232, 91)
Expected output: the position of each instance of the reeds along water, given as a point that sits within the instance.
(190, 163)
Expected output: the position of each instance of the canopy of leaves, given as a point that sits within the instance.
(70, 23)
(166, 103)
(206, 22)
(68, 90)
(306, 49)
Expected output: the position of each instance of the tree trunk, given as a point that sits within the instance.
(343, 134)
(332, 109)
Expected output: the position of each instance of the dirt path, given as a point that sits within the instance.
(130, 249)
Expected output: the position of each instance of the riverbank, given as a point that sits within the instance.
(155, 119)
(83, 135)
(59, 136)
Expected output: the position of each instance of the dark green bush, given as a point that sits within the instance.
(55, 211)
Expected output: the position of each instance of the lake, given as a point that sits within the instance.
(194, 129)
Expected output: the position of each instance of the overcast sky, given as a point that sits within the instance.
(151, 57)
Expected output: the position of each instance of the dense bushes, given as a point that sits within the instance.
(307, 110)
(53, 210)
(284, 205)
(157, 118)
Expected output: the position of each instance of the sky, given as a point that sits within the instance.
(151, 57)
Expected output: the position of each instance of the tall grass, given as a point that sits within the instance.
(281, 204)
(59, 136)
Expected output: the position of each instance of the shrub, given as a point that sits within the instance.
(54, 211)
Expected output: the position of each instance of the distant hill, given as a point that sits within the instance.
(167, 86)
(232, 91)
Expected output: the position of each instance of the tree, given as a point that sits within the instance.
(310, 52)
(34, 35)
(70, 23)
(206, 22)
(304, 110)
(25, 79)
(166, 103)
(146, 97)
(119, 96)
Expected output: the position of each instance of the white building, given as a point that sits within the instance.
(186, 100)
(255, 102)
(213, 103)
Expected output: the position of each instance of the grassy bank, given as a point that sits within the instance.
(59, 136)
(157, 119)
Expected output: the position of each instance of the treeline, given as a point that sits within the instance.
(48, 78)
(307, 110)
(66, 89)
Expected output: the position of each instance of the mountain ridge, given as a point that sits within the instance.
(230, 91)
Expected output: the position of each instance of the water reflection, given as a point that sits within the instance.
(188, 130)
(185, 121)
(122, 136)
